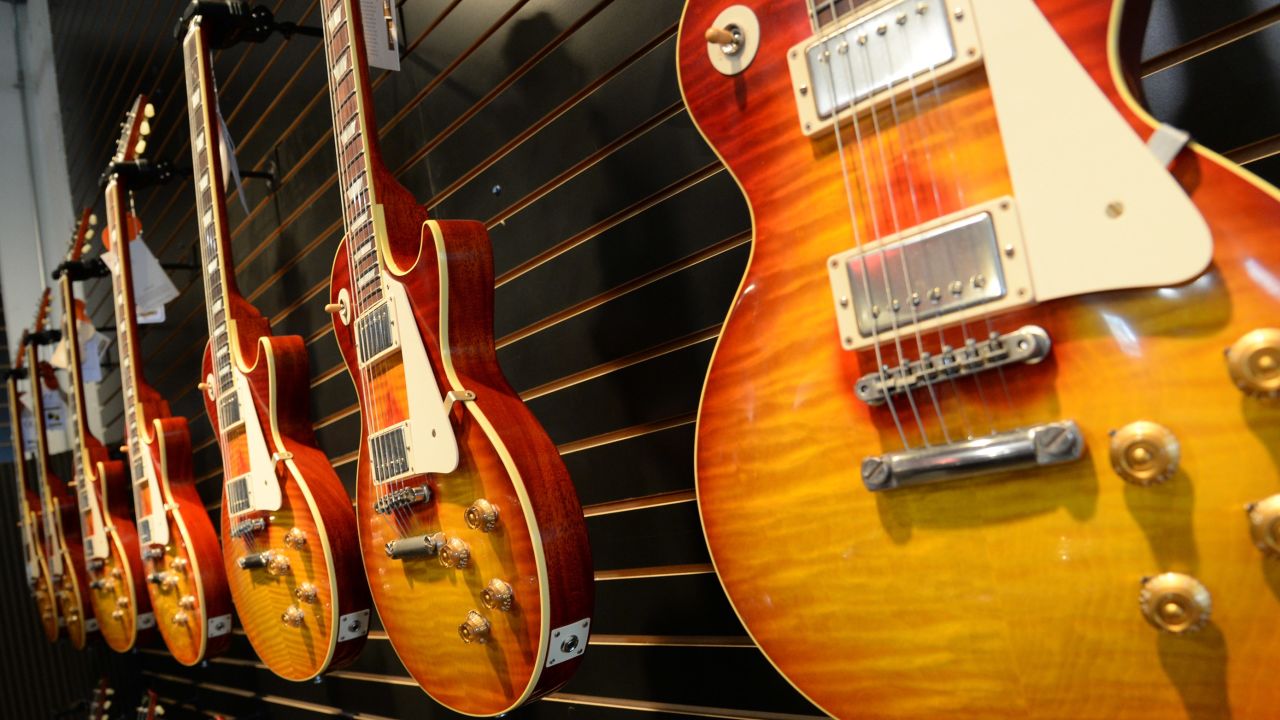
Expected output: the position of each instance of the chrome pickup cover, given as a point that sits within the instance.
(878, 55)
(928, 276)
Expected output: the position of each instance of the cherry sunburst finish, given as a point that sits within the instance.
(33, 549)
(181, 558)
(110, 538)
(288, 527)
(464, 505)
(1016, 594)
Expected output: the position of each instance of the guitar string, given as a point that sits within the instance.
(897, 230)
(399, 519)
(928, 134)
(873, 211)
(857, 235)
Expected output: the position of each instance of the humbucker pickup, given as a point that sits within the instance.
(390, 451)
(229, 411)
(238, 494)
(144, 530)
(375, 333)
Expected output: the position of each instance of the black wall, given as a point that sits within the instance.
(619, 241)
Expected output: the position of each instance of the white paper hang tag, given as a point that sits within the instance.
(227, 151)
(60, 358)
(54, 410)
(91, 358)
(28, 431)
(151, 286)
(381, 33)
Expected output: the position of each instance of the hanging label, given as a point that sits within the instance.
(54, 411)
(91, 347)
(227, 151)
(381, 33)
(151, 286)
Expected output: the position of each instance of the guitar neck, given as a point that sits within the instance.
(211, 214)
(126, 322)
(43, 476)
(79, 421)
(355, 139)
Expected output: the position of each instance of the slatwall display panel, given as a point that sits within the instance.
(559, 123)
(618, 242)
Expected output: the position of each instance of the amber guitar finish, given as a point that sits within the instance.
(33, 550)
(472, 536)
(1012, 594)
(288, 528)
(181, 558)
(110, 539)
(63, 547)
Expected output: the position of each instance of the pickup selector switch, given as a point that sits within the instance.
(1254, 362)
(1264, 524)
(1144, 453)
(1175, 603)
(482, 515)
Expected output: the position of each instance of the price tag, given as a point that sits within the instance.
(381, 33)
(91, 346)
(151, 286)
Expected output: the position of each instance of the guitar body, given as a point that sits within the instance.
(119, 603)
(42, 589)
(72, 588)
(194, 612)
(539, 544)
(1013, 595)
(312, 500)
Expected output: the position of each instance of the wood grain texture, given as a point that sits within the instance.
(1009, 596)
(539, 546)
(192, 560)
(42, 590)
(314, 502)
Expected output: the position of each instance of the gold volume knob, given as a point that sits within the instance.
(455, 554)
(482, 515)
(1254, 362)
(293, 616)
(180, 618)
(497, 595)
(295, 538)
(1264, 524)
(122, 602)
(178, 564)
(187, 602)
(117, 615)
(278, 564)
(306, 592)
(475, 629)
(1175, 603)
(1144, 453)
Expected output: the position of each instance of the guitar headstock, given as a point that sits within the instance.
(82, 235)
(134, 131)
(150, 709)
(42, 312)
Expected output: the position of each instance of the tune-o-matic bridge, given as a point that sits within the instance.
(245, 528)
(402, 498)
(1028, 344)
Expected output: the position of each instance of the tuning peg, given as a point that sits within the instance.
(148, 111)
(88, 234)
(141, 147)
(145, 128)
(93, 219)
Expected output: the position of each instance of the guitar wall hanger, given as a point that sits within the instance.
(44, 337)
(230, 22)
(81, 270)
(17, 373)
(142, 173)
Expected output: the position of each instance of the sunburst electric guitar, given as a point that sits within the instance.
(288, 528)
(463, 502)
(61, 529)
(990, 430)
(179, 547)
(110, 538)
(35, 561)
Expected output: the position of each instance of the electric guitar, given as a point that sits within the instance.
(969, 445)
(181, 558)
(463, 502)
(63, 546)
(33, 550)
(288, 528)
(110, 539)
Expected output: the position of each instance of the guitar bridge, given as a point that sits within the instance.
(245, 528)
(401, 499)
(427, 545)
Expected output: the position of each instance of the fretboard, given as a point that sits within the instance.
(50, 505)
(211, 220)
(353, 137)
(79, 420)
(126, 324)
